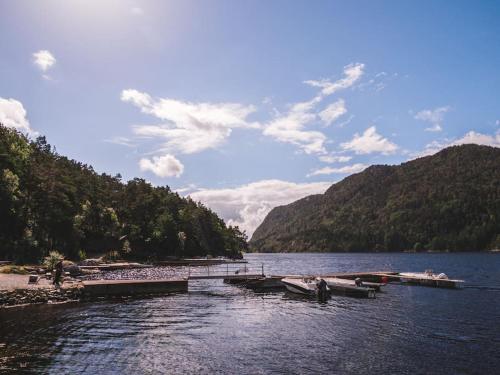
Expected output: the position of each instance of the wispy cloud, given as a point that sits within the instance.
(291, 126)
(348, 169)
(13, 115)
(190, 127)
(123, 141)
(162, 166)
(434, 116)
(370, 142)
(334, 159)
(333, 111)
(352, 73)
(247, 205)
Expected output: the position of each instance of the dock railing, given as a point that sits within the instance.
(226, 271)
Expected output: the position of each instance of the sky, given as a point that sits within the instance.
(247, 105)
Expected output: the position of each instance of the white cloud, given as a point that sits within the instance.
(480, 139)
(137, 98)
(190, 127)
(44, 60)
(497, 122)
(13, 115)
(470, 137)
(291, 126)
(248, 205)
(352, 73)
(334, 159)
(348, 169)
(370, 141)
(433, 116)
(333, 112)
(162, 166)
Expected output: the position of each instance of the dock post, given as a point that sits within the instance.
(262, 265)
(227, 269)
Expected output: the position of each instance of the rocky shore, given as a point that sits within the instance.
(39, 295)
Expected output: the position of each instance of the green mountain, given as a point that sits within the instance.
(447, 201)
(49, 202)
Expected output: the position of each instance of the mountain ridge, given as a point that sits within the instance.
(446, 201)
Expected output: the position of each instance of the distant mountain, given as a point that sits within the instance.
(447, 201)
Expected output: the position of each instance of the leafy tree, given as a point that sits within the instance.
(50, 202)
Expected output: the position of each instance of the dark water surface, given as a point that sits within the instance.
(217, 328)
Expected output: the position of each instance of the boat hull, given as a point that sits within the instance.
(348, 287)
(296, 287)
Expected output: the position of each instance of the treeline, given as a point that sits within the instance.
(49, 202)
(447, 201)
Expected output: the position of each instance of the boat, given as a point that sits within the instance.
(350, 287)
(266, 282)
(304, 285)
(429, 278)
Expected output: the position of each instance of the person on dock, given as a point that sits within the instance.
(59, 270)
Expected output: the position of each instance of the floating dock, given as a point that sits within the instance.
(375, 280)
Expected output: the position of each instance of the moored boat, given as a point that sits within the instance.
(349, 287)
(305, 285)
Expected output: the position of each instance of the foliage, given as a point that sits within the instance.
(18, 270)
(447, 201)
(82, 255)
(111, 256)
(52, 259)
(48, 201)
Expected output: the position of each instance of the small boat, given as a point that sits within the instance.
(350, 287)
(267, 282)
(304, 285)
(429, 278)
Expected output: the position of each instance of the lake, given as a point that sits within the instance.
(219, 328)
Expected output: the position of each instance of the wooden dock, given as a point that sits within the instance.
(376, 280)
(250, 277)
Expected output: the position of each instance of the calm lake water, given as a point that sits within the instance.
(218, 328)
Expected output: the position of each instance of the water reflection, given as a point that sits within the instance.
(219, 328)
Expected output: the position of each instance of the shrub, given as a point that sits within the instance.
(82, 255)
(51, 260)
(111, 256)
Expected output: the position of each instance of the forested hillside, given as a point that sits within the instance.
(448, 201)
(50, 202)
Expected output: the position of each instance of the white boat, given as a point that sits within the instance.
(305, 285)
(349, 287)
(429, 278)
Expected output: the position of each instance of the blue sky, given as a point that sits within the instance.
(246, 105)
